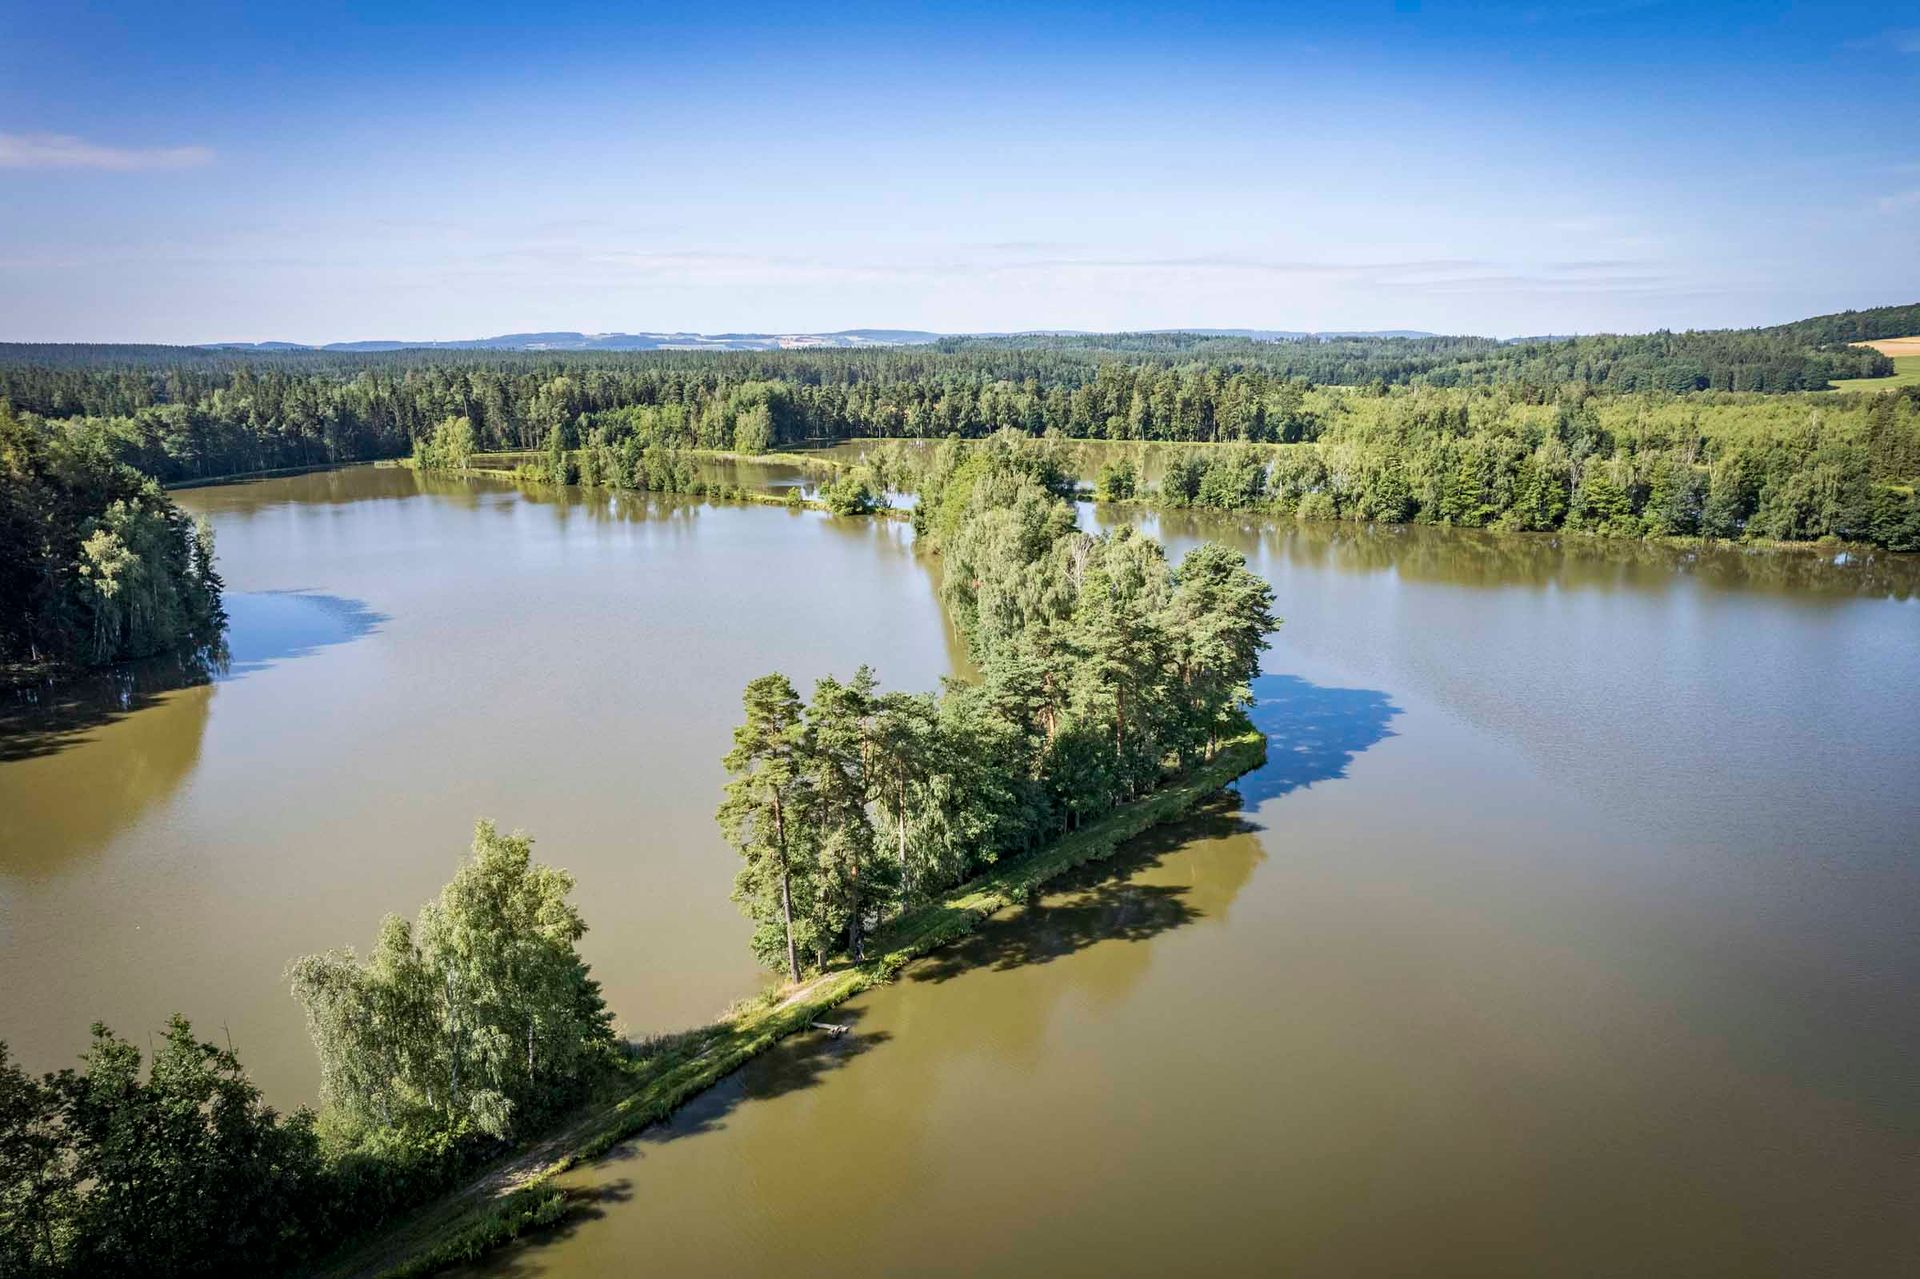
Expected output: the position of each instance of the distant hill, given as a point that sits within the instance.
(570, 341)
(1296, 335)
(1810, 354)
(841, 339)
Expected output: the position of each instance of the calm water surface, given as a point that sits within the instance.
(1570, 928)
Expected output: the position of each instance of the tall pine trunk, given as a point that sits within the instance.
(786, 890)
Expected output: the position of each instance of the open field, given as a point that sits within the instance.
(1905, 353)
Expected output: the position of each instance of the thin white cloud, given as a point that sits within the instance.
(1898, 201)
(63, 151)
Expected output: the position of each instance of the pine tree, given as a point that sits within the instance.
(764, 814)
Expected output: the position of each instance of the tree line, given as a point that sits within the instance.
(1783, 471)
(1102, 670)
(96, 563)
(475, 1022)
(183, 413)
(1788, 469)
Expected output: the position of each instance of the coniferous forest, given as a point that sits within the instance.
(1103, 670)
(1719, 434)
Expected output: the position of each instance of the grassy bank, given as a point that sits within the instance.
(518, 1194)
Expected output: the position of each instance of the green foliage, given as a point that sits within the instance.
(854, 493)
(1443, 429)
(96, 563)
(1102, 670)
(764, 814)
(1714, 466)
(753, 430)
(479, 1011)
(450, 448)
(1119, 479)
(560, 465)
(1234, 480)
(183, 1171)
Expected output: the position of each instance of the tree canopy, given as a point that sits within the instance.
(96, 563)
(1103, 670)
(478, 1011)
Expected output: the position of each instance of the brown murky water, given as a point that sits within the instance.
(1569, 930)
(409, 654)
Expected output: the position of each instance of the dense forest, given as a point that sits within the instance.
(180, 413)
(1784, 468)
(1103, 670)
(96, 563)
(1780, 469)
(1535, 434)
(1804, 356)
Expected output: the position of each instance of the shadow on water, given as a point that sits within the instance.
(583, 1204)
(798, 1062)
(1096, 903)
(263, 628)
(1313, 733)
(279, 626)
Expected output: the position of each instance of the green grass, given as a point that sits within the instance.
(1906, 372)
(519, 1194)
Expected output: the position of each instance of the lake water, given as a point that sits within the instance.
(1570, 928)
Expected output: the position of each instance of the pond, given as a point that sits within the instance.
(1569, 926)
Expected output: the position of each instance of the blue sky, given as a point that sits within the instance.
(194, 172)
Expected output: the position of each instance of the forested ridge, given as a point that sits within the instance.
(1444, 429)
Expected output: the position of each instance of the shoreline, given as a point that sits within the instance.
(516, 1194)
(813, 459)
(273, 473)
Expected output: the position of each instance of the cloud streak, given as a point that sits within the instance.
(63, 151)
